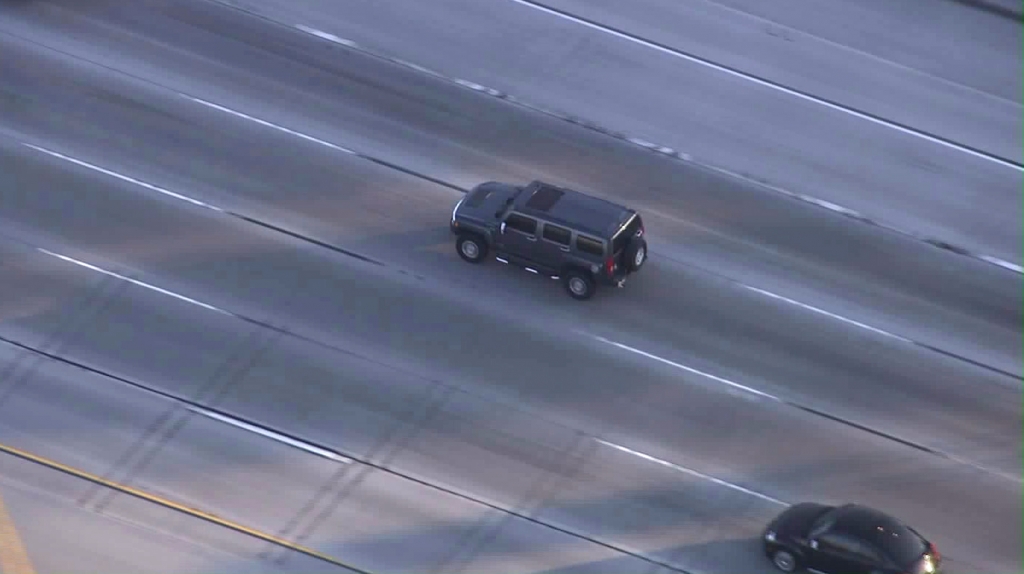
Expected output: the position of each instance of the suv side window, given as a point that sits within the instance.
(559, 235)
(589, 245)
(522, 224)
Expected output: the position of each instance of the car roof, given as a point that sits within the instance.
(870, 525)
(855, 517)
(564, 206)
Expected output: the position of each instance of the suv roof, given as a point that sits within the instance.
(573, 209)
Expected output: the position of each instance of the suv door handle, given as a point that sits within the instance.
(566, 249)
(531, 238)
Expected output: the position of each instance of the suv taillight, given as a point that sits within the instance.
(609, 266)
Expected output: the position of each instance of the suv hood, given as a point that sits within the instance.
(483, 201)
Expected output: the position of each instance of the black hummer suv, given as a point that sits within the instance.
(550, 230)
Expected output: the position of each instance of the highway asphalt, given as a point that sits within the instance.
(877, 278)
(214, 259)
(61, 535)
(535, 453)
(724, 118)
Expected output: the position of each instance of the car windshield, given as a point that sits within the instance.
(823, 522)
(903, 545)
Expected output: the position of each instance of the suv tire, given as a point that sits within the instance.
(636, 253)
(579, 284)
(471, 248)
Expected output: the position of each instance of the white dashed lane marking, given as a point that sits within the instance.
(826, 313)
(774, 86)
(272, 435)
(142, 284)
(680, 366)
(807, 409)
(693, 473)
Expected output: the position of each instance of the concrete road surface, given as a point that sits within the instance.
(909, 115)
(228, 281)
(442, 471)
(61, 534)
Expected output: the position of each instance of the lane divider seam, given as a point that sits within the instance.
(204, 205)
(656, 148)
(194, 406)
(808, 409)
(340, 250)
(176, 506)
(770, 84)
(651, 356)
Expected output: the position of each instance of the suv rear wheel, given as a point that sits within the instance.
(579, 284)
(471, 248)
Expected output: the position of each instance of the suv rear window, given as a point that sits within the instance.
(588, 245)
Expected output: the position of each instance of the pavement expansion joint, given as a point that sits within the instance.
(808, 409)
(679, 155)
(426, 177)
(337, 455)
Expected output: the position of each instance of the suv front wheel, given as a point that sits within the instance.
(471, 248)
(579, 284)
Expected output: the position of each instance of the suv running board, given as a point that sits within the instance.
(530, 269)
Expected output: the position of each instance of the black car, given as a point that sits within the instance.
(553, 231)
(847, 539)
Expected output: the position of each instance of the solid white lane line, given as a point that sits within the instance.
(142, 284)
(637, 141)
(1003, 263)
(328, 454)
(772, 85)
(116, 175)
(692, 472)
(726, 382)
(326, 36)
(997, 473)
(270, 125)
(826, 313)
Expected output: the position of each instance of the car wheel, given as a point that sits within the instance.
(636, 253)
(784, 560)
(580, 285)
(471, 248)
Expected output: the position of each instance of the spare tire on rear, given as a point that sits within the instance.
(636, 253)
